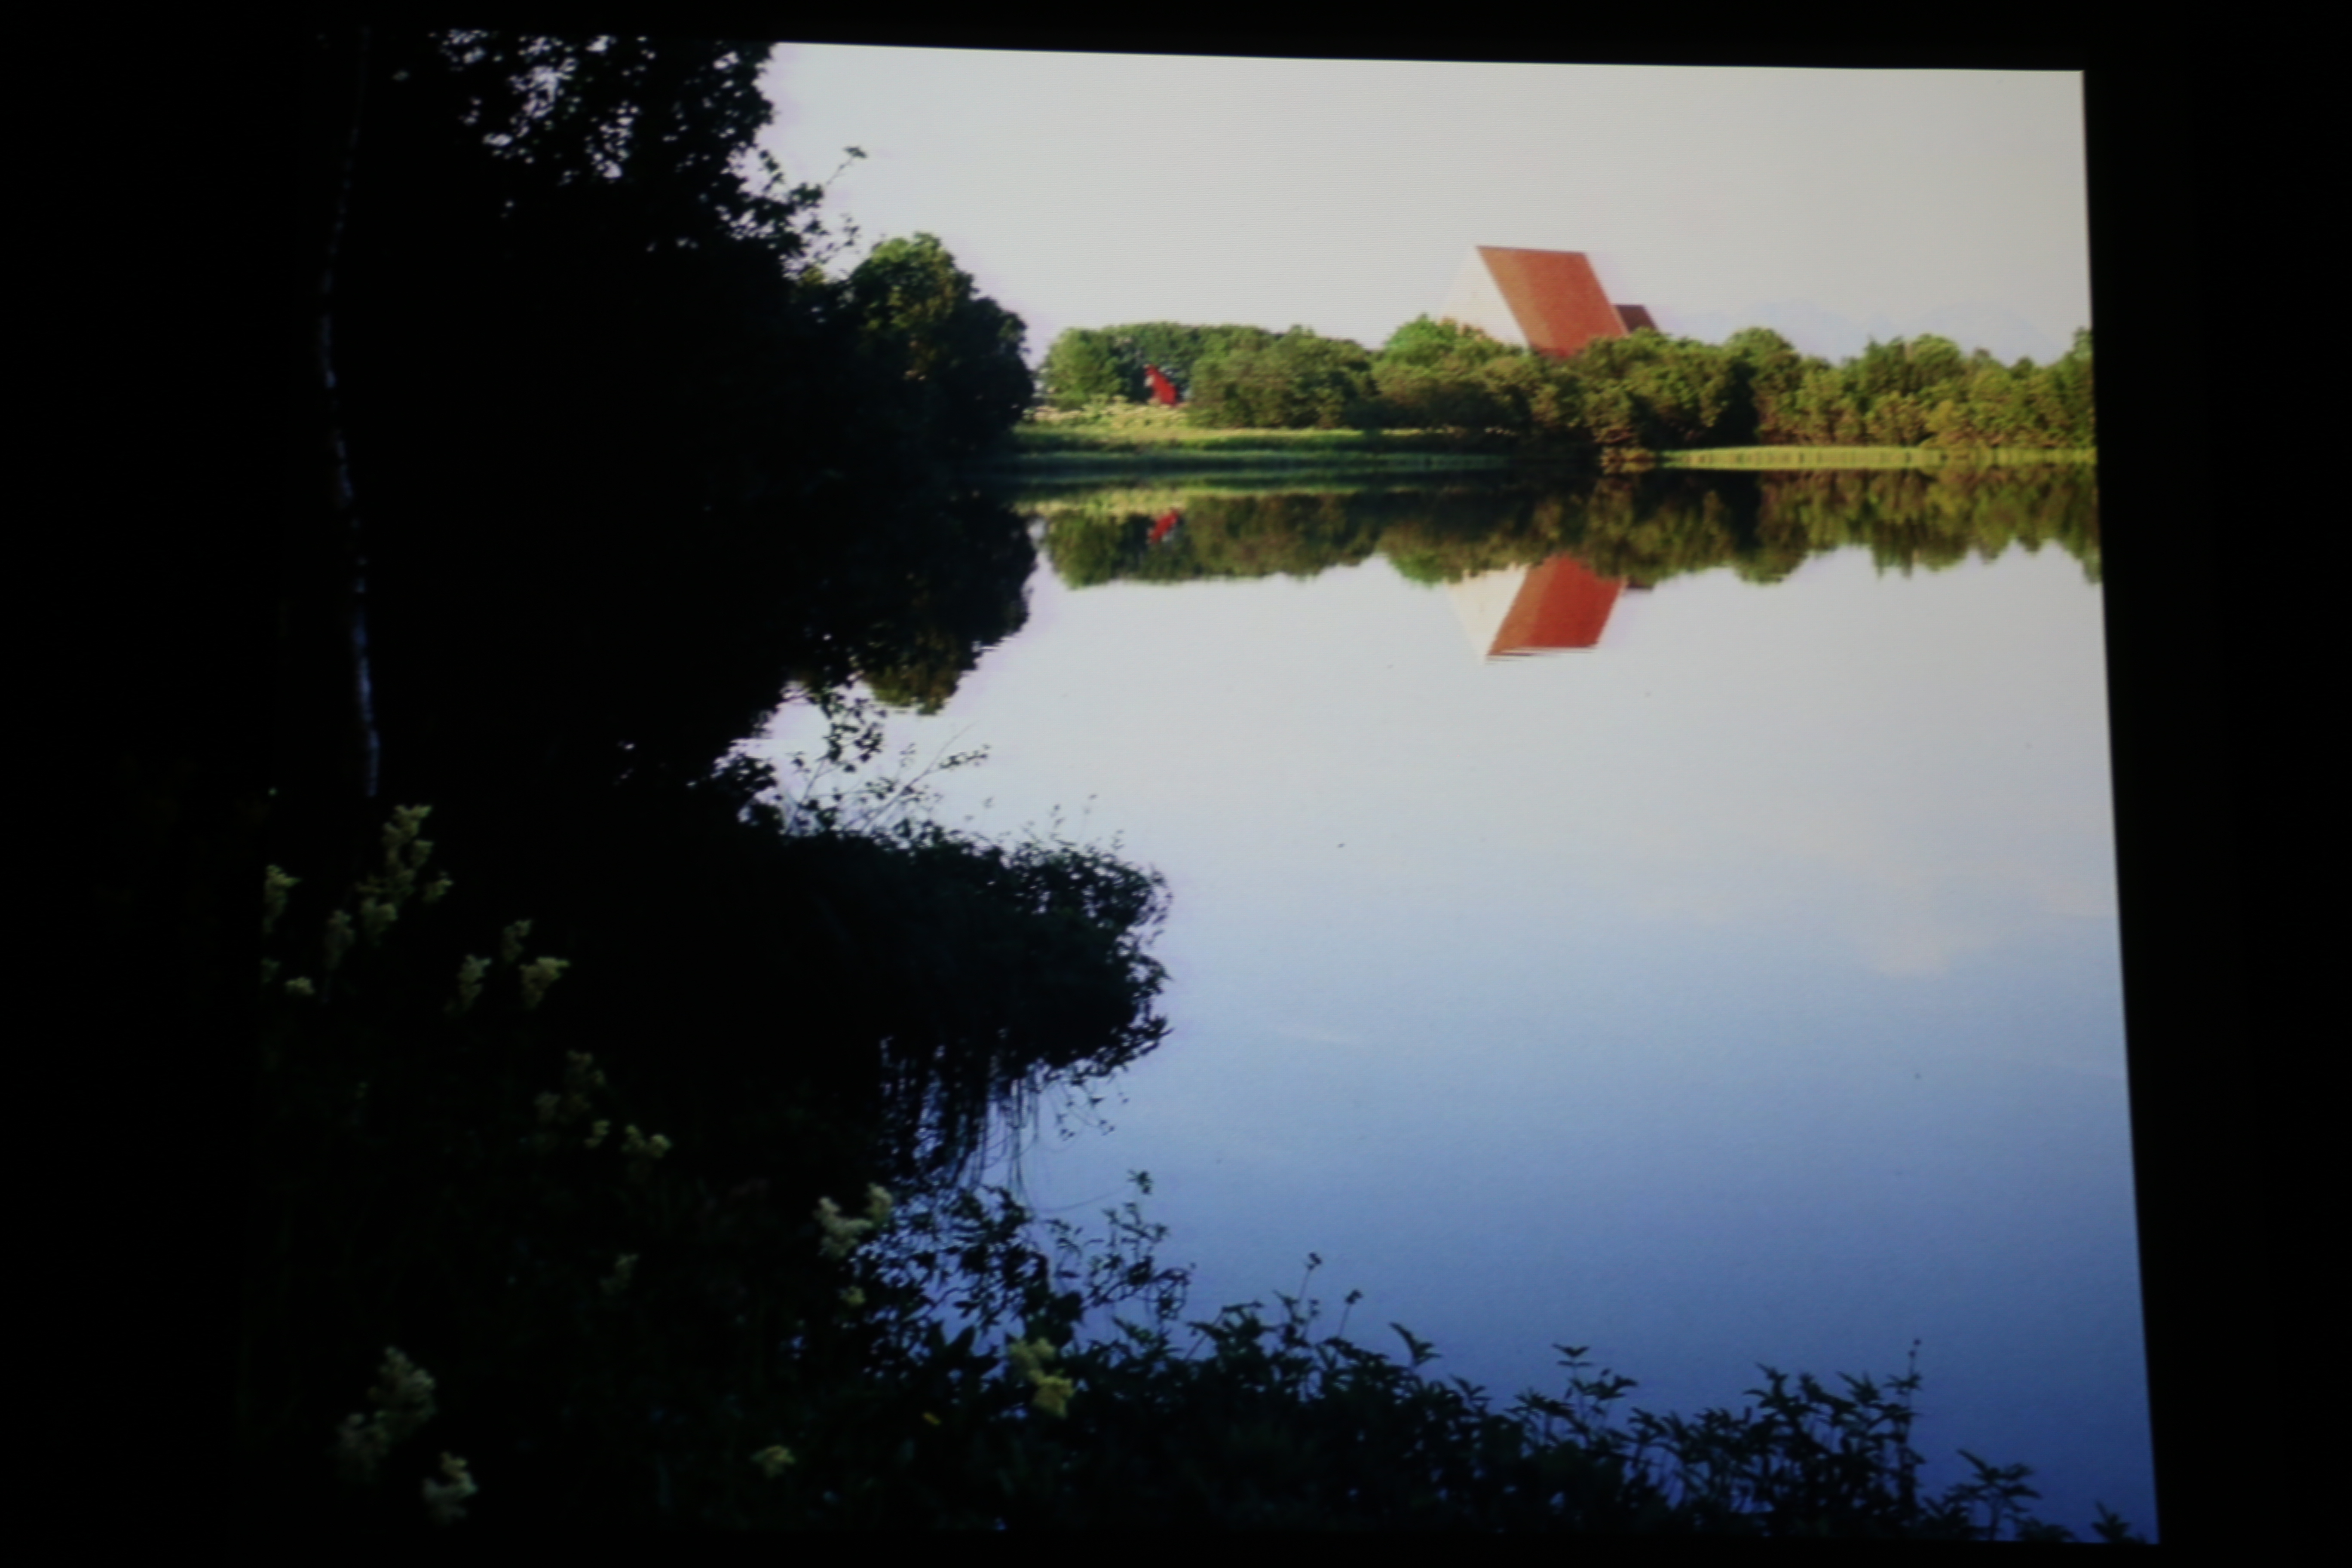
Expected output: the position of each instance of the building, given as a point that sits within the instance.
(1553, 606)
(1547, 301)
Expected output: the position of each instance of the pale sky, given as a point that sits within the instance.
(1090, 189)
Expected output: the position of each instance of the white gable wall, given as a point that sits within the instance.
(1477, 301)
(1482, 602)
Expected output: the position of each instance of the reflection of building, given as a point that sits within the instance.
(1553, 605)
(1548, 300)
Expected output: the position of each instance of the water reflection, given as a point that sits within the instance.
(1642, 529)
(1553, 606)
(1747, 987)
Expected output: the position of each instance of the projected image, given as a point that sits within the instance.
(1240, 774)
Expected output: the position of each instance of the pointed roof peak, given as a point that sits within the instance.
(1548, 300)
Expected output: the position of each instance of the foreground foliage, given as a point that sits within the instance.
(573, 1310)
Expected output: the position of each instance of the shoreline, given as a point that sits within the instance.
(1121, 456)
(1874, 456)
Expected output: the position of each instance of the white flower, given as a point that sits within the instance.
(643, 1151)
(470, 982)
(841, 1235)
(537, 975)
(404, 1392)
(375, 916)
(1054, 1394)
(360, 1446)
(773, 1458)
(445, 1500)
(401, 829)
(1028, 1357)
(274, 884)
(339, 938)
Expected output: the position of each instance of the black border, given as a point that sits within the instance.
(2190, 734)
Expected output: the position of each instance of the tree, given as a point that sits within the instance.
(1298, 381)
(920, 314)
(1430, 343)
(1084, 365)
(1442, 375)
(1767, 368)
(616, 433)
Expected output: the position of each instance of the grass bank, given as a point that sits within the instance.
(1872, 457)
(1144, 427)
(1241, 461)
(1098, 444)
(1101, 444)
(1150, 500)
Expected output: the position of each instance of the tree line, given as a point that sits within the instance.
(1647, 391)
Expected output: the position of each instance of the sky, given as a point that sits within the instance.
(1343, 195)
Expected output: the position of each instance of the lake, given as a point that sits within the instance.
(1699, 944)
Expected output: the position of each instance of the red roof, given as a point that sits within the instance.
(1555, 298)
(1562, 604)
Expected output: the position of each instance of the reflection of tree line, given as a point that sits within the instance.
(1640, 527)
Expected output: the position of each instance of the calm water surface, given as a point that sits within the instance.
(1741, 987)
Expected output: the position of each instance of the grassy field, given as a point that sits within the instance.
(1098, 443)
(1052, 494)
(1094, 467)
(1146, 427)
(1107, 442)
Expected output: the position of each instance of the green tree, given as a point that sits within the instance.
(1442, 375)
(960, 351)
(1298, 381)
(1432, 344)
(616, 433)
(1770, 369)
(1085, 364)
